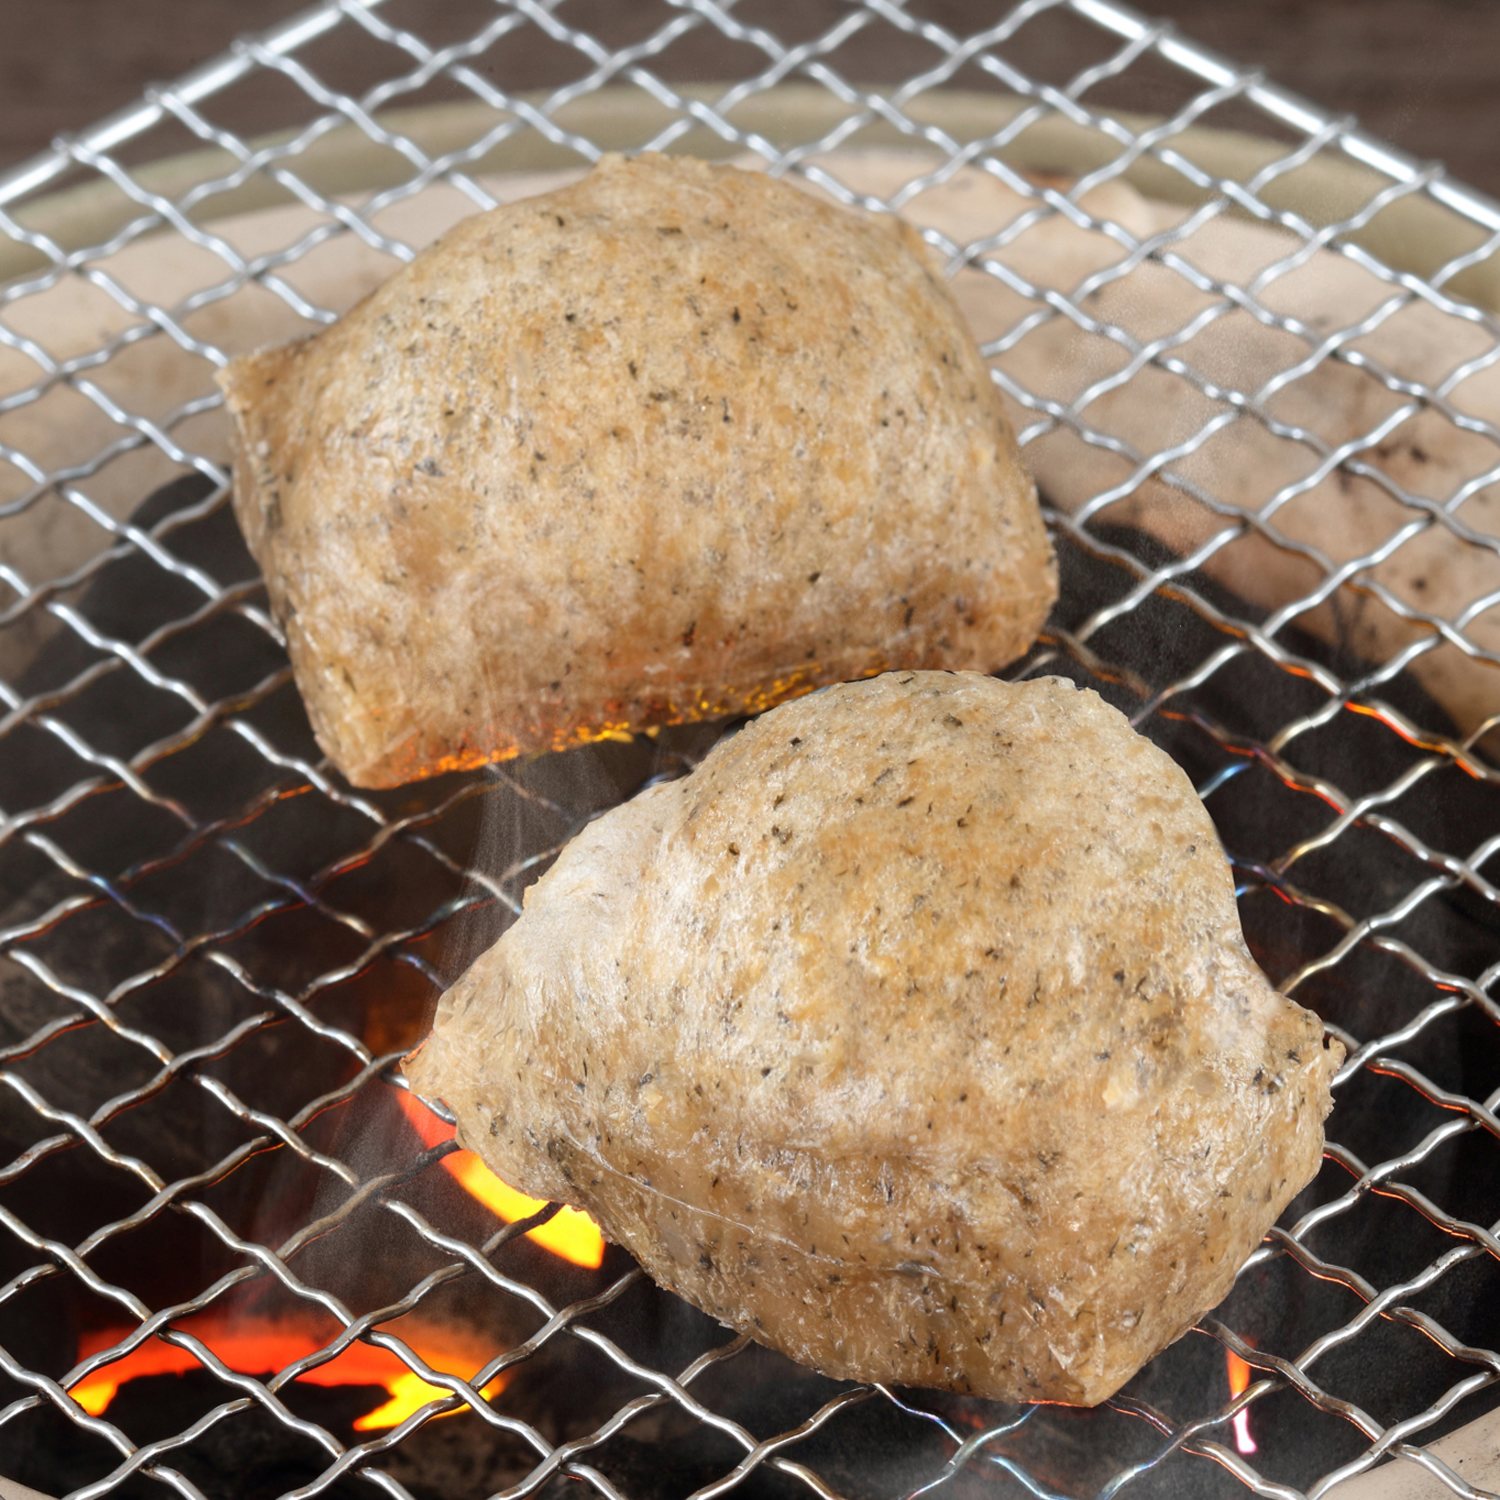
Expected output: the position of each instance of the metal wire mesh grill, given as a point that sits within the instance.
(212, 951)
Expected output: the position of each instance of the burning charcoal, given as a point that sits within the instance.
(250, 1455)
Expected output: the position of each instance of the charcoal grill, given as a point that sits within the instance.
(213, 951)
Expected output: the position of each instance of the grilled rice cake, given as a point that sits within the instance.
(914, 1033)
(674, 442)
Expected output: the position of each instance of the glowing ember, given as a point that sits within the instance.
(1239, 1381)
(409, 1393)
(262, 1349)
(570, 1233)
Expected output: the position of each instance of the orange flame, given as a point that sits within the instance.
(570, 1232)
(1239, 1382)
(259, 1348)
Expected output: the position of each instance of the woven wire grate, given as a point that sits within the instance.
(212, 951)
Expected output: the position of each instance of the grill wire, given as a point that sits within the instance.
(423, 839)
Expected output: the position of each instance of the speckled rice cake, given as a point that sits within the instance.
(913, 1033)
(674, 442)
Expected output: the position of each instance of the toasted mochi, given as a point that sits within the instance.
(913, 1033)
(674, 442)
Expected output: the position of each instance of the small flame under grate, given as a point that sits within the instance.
(569, 1232)
(1252, 356)
(245, 1346)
